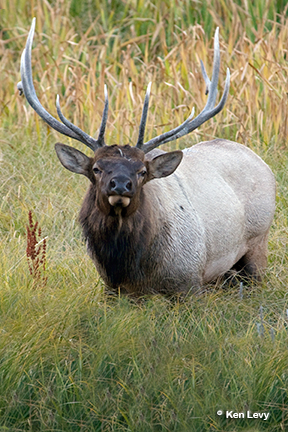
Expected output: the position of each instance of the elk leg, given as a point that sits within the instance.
(254, 262)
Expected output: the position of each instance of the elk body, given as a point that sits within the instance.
(159, 222)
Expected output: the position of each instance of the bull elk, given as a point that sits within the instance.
(158, 222)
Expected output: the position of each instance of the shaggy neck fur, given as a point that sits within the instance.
(116, 242)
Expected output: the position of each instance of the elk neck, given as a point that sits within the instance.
(119, 240)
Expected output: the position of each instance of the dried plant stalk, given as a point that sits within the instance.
(36, 253)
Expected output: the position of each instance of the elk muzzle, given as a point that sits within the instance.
(119, 201)
(120, 191)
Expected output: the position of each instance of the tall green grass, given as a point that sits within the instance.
(72, 357)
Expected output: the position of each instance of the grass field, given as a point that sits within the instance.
(73, 358)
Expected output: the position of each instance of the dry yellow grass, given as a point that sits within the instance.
(77, 65)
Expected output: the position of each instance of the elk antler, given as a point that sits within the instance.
(67, 128)
(189, 125)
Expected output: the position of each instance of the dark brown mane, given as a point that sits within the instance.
(117, 242)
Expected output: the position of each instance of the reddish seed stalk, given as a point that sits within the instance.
(35, 252)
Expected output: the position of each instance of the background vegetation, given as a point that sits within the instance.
(71, 357)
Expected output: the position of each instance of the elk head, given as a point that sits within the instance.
(119, 172)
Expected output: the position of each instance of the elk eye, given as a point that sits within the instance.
(142, 173)
(96, 170)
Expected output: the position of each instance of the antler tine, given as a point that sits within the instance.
(144, 118)
(167, 136)
(26, 86)
(212, 86)
(208, 112)
(82, 136)
(205, 76)
(104, 119)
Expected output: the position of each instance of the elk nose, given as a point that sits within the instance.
(120, 186)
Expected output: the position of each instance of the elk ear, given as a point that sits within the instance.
(73, 159)
(164, 164)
